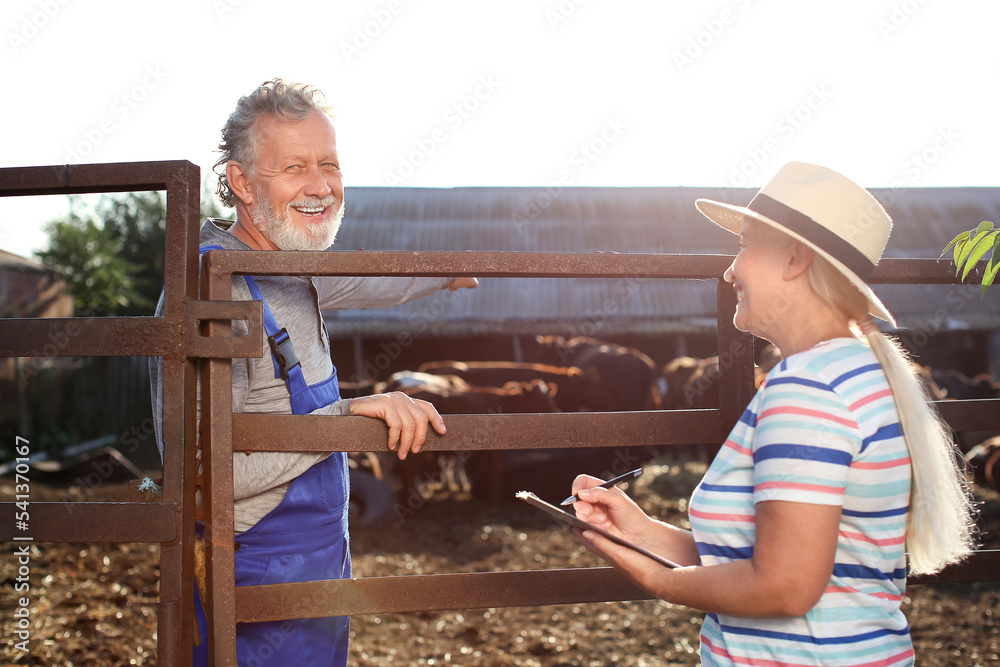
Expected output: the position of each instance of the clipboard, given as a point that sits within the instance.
(573, 520)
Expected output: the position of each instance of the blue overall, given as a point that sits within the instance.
(304, 538)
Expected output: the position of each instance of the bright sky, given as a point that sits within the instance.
(449, 93)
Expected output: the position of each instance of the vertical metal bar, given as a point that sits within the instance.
(181, 249)
(736, 373)
(176, 606)
(217, 456)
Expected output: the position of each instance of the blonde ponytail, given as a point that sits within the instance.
(939, 527)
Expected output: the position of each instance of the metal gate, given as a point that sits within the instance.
(196, 328)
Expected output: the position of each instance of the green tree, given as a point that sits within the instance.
(112, 257)
(90, 255)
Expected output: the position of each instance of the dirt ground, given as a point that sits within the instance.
(95, 604)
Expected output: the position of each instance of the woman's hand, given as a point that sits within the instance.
(609, 509)
(407, 419)
(613, 511)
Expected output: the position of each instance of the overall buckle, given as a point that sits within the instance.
(283, 352)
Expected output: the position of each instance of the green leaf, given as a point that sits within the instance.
(989, 275)
(995, 258)
(953, 242)
(966, 249)
(984, 226)
(959, 247)
(980, 248)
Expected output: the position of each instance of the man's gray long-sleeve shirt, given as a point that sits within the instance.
(261, 479)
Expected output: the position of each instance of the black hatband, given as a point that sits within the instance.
(813, 232)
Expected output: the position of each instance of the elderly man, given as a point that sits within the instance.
(282, 175)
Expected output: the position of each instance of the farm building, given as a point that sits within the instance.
(946, 325)
(27, 289)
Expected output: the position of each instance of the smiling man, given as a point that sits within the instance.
(292, 194)
(282, 175)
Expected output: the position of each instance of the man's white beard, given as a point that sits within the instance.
(286, 235)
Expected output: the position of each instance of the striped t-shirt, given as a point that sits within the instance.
(822, 429)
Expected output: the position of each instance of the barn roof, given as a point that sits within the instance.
(633, 220)
(30, 289)
(9, 260)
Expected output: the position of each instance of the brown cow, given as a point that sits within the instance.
(534, 396)
(690, 383)
(452, 395)
(627, 374)
(673, 379)
(577, 390)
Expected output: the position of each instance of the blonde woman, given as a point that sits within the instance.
(837, 472)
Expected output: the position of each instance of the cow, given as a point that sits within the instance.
(673, 378)
(688, 383)
(627, 374)
(576, 390)
(452, 395)
(409, 382)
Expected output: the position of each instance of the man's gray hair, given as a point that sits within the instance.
(288, 101)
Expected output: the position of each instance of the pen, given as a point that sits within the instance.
(608, 484)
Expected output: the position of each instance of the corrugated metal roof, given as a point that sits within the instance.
(661, 220)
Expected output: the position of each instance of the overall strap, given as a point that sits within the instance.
(305, 398)
(282, 352)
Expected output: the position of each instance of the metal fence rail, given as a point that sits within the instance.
(197, 328)
(414, 593)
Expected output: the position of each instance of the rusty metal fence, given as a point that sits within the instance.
(196, 328)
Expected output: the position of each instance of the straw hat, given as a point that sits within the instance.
(828, 212)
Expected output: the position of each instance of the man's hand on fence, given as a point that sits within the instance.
(407, 419)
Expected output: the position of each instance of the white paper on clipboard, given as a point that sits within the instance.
(576, 522)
